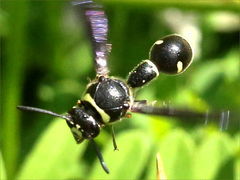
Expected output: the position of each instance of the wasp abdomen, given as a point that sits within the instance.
(142, 74)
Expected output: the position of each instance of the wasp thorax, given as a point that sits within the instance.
(109, 97)
(172, 54)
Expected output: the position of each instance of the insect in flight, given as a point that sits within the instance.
(107, 99)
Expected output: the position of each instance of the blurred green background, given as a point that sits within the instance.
(46, 62)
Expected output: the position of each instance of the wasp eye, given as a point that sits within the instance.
(172, 54)
(87, 127)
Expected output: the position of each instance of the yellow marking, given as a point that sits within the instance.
(179, 66)
(153, 66)
(105, 116)
(76, 132)
(159, 42)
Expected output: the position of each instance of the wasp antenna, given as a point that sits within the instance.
(100, 157)
(44, 111)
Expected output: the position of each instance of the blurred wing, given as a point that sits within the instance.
(97, 29)
(222, 118)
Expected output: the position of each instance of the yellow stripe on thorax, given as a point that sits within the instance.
(105, 116)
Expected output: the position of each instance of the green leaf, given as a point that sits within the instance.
(215, 150)
(13, 53)
(2, 168)
(210, 71)
(226, 170)
(237, 163)
(55, 155)
(176, 151)
(129, 161)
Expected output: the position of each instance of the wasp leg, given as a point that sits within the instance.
(114, 140)
(100, 157)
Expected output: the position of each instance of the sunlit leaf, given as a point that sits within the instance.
(176, 151)
(3, 174)
(214, 151)
(129, 161)
(54, 156)
(237, 161)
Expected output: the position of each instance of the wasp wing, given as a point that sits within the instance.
(96, 23)
(222, 118)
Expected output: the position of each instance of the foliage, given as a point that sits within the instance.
(46, 62)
